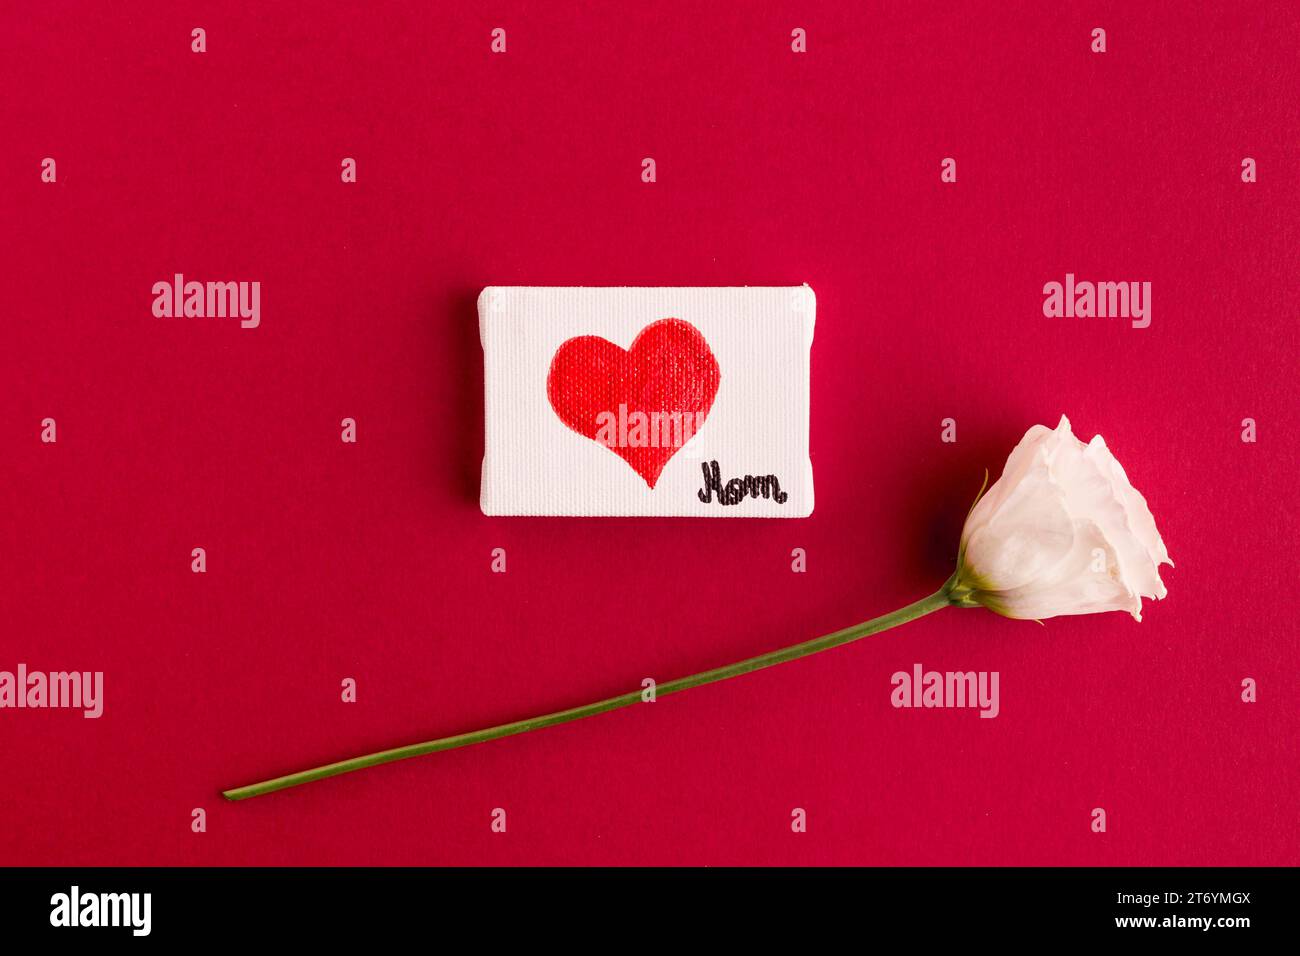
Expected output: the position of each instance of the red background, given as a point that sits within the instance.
(371, 561)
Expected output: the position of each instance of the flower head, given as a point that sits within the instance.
(1061, 532)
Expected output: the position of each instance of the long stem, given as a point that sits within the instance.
(912, 611)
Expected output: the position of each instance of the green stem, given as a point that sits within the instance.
(917, 609)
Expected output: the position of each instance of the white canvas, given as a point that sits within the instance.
(756, 425)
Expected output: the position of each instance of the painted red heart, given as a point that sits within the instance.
(668, 375)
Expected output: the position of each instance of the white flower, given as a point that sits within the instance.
(1061, 532)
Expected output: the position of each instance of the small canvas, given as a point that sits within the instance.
(647, 401)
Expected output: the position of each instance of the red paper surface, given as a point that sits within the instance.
(372, 561)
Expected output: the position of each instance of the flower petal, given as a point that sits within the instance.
(1062, 531)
